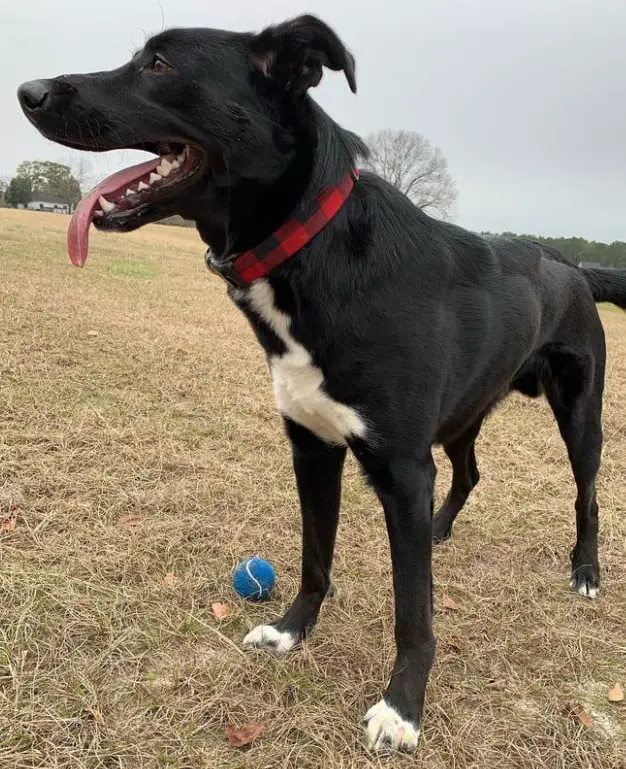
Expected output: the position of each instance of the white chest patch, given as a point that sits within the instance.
(298, 382)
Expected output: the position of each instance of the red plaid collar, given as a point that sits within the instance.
(240, 270)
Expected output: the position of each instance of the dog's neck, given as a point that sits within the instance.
(242, 216)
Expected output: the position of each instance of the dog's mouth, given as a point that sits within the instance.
(128, 198)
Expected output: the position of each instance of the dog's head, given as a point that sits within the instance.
(218, 108)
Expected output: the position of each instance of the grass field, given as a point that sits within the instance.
(142, 455)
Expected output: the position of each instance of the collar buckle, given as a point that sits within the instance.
(224, 270)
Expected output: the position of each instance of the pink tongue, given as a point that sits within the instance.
(78, 231)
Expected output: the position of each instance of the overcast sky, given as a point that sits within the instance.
(526, 98)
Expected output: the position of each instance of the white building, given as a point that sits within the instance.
(50, 203)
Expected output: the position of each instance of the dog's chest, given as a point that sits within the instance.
(298, 382)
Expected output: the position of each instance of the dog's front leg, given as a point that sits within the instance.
(318, 468)
(405, 487)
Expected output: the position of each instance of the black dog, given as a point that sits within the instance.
(386, 331)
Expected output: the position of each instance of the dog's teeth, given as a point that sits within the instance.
(154, 178)
(129, 192)
(175, 164)
(105, 204)
(181, 158)
(97, 213)
(142, 186)
(165, 168)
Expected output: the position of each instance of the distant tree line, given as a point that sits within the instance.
(43, 177)
(581, 250)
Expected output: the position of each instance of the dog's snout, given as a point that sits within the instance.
(34, 94)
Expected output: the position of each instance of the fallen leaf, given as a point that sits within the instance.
(9, 522)
(128, 521)
(221, 610)
(244, 735)
(576, 710)
(584, 718)
(448, 604)
(92, 333)
(616, 694)
(170, 579)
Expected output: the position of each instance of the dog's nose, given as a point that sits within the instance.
(34, 94)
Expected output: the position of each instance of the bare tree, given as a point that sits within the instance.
(409, 161)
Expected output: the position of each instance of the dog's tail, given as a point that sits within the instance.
(607, 285)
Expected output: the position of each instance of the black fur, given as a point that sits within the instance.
(295, 53)
(607, 285)
(419, 325)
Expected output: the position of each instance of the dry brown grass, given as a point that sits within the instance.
(133, 388)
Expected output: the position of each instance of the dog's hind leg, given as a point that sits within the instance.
(578, 411)
(318, 468)
(465, 476)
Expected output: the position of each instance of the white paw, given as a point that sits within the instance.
(386, 730)
(585, 589)
(267, 638)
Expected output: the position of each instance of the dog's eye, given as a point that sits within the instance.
(160, 66)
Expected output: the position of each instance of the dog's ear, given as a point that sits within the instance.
(294, 53)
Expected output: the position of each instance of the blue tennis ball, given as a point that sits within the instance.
(254, 579)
